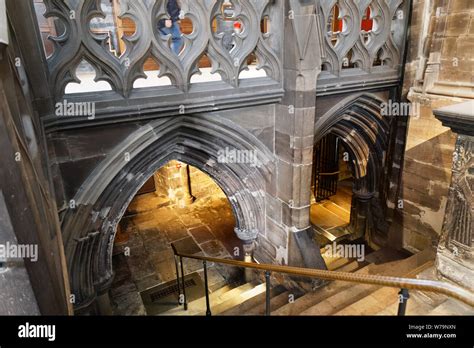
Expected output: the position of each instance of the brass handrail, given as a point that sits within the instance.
(456, 292)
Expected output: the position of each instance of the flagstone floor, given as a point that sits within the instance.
(146, 259)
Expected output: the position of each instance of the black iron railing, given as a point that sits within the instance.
(402, 283)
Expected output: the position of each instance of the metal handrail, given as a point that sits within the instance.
(404, 284)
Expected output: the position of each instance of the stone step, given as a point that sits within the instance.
(220, 291)
(311, 298)
(337, 263)
(351, 267)
(340, 300)
(335, 234)
(235, 300)
(340, 263)
(325, 218)
(333, 263)
(415, 306)
(380, 299)
(452, 307)
(275, 303)
(433, 298)
(356, 292)
(256, 301)
(337, 209)
(400, 268)
(373, 303)
(384, 255)
(343, 199)
(199, 306)
(232, 293)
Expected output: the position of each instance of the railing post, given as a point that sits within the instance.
(267, 293)
(184, 286)
(403, 297)
(177, 279)
(208, 306)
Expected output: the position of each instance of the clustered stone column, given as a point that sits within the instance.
(288, 230)
(455, 257)
(360, 210)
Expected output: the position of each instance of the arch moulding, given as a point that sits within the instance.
(89, 229)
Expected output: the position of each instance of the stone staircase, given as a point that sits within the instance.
(337, 297)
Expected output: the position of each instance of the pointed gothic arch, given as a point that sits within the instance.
(89, 229)
(357, 120)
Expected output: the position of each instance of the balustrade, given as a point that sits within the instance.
(225, 35)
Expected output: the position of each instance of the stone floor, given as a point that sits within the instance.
(203, 228)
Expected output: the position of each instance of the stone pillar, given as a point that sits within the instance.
(360, 210)
(289, 235)
(103, 304)
(249, 247)
(455, 256)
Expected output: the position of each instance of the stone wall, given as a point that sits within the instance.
(438, 73)
(35, 282)
(457, 45)
(426, 178)
(174, 185)
(202, 186)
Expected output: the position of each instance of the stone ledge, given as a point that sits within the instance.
(459, 117)
(156, 102)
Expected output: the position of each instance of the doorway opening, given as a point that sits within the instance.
(182, 205)
(332, 187)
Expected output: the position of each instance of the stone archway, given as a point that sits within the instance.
(358, 122)
(89, 228)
